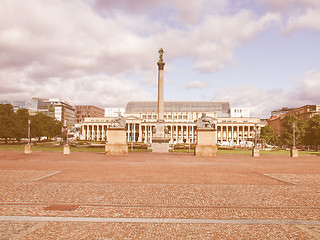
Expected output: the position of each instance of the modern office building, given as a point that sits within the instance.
(63, 111)
(239, 112)
(114, 112)
(84, 111)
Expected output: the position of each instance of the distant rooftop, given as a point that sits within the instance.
(221, 108)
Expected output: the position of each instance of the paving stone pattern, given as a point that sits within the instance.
(158, 186)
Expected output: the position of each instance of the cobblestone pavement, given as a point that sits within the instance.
(225, 197)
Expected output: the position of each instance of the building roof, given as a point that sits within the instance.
(221, 108)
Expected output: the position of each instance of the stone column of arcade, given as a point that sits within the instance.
(160, 142)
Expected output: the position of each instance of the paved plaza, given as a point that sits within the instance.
(48, 195)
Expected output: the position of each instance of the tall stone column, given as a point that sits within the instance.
(160, 143)
(160, 90)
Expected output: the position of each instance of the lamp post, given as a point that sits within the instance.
(255, 149)
(148, 130)
(29, 123)
(67, 135)
(255, 135)
(131, 134)
(189, 129)
(27, 148)
(173, 133)
(294, 134)
(66, 147)
(294, 150)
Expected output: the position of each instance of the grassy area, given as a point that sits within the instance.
(264, 152)
(248, 152)
(47, 147)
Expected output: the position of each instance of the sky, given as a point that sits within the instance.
(258, 54)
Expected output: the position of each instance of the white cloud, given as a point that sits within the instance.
(212, 42)
(298, 14)
(196, 84)
(100, 90)
(307, 20)
(285, 5)
(60, 47)
(261, 102)
(309, 88)
(193, 11)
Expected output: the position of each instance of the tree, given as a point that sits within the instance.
(286, 137)
(268, 134)
(312, 131)
(6, 121)
(20, 123)
(44, 126)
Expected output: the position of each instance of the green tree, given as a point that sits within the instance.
(286, 137)
(21, 124)
(312, 131)
(6, 121)
(268, 134)
(44, 126)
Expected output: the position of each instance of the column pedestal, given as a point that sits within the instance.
(66, 149)
(116, 144)
(206, 142)
(294, 152)
(160, 143)
(255, 152)
(28, 149)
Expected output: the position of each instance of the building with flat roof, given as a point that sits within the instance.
(179, 120)
(220, 108)
(114, 112)
(303, 113)
(83, 111)
(281, 111)
(239, 112)
(40, 105)
(63, 111)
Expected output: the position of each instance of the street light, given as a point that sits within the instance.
(29, 122)
(255, 135)
(131, 133)
(294, 135)
(189, 129)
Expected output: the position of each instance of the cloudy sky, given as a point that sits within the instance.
(260, 54)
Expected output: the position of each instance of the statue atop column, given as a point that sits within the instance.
(160, 143)
(160, 55)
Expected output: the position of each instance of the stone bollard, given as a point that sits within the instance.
(255, 152)
(66, 149)
(27, 149)
(294, 152)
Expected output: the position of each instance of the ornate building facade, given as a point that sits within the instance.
(180, 123)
